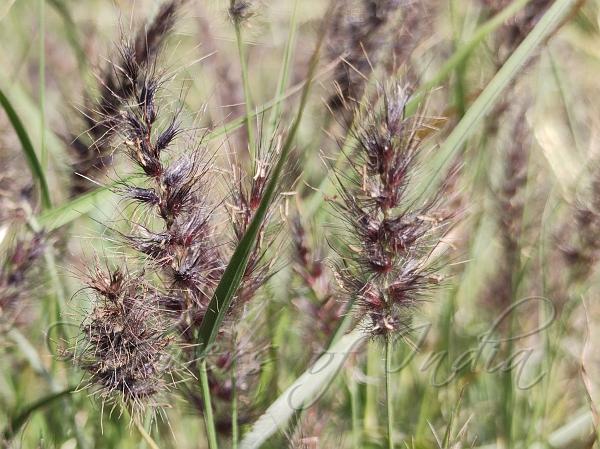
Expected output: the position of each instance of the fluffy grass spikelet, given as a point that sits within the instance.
(386, 264)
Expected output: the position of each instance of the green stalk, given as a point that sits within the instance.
(388, 392)
(33, 161)
(42, 87)
(459, 72)
(245, 84)
(355, 405)
(285, 70)
(209, 420)
(370, 422)
(234, 398)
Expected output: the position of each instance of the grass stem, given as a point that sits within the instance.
(234, 398)
(354, 397)
(42, 86)
(388, 392)
(211, 432)
(246, 87)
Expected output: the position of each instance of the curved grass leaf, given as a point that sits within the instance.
(303, 392)
(32, 159)
(232, 276)
(490, 95)
(17, 422)
(59, 216)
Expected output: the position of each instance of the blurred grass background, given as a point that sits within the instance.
(480, 407)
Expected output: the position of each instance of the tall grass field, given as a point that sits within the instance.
(304, 224)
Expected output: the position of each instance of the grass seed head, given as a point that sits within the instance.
(386, 263)
(126, 351)
(119, 84)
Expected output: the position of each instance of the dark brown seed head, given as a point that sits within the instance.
(126, 341)
(390, 236)
(127, 79)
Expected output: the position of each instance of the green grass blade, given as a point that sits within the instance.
(219, 304)
(302, 392)
(389, 403)
(17, 422)
(285, 68)
(463, 53)
(30, 155)
(245, 83)
(490, 95)
(29, 113)
(55, 218)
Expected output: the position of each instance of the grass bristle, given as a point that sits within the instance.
(254, 225)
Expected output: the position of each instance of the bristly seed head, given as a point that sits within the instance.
(126, 341)
(390, 237)
(125, 80)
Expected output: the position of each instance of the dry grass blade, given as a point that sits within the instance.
(303, 393)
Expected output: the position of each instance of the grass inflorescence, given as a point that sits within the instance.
(350, 224)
